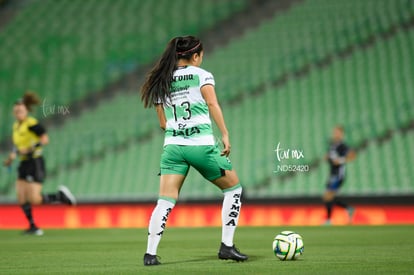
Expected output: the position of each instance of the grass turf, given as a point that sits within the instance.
(328, 250)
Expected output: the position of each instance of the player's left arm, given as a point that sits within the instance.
(40, 131)
(44, 139)
(345, 154)
(351, 155)
(214, 108)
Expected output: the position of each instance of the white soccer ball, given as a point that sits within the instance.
(288, 245)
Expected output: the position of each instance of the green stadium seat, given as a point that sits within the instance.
(69, 59)
(367, 91)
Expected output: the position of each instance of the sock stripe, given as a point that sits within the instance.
(232, 188)
(167, 199)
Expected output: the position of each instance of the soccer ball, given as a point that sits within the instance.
(288, 245)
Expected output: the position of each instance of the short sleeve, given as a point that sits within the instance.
(157, 101)
(343, 150)
(206, 79)
(35, 127)
(31, 121)
(38, 129)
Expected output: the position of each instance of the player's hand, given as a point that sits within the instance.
(351, 156)
(7, 162)
(226, 145)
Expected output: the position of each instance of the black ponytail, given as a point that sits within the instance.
(156, 87)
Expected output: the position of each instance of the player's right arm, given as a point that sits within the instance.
(10, 158)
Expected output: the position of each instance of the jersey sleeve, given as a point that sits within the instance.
(35, 127)
(38, 129)
(206, 79)
(343, 150)
(157, 101)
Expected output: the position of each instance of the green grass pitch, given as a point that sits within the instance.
(328, 250)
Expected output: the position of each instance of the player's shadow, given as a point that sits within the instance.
(209, 258)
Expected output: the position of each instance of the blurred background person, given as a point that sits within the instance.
(338, 155)
(29, 137)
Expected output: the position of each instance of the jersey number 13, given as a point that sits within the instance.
(185, 106)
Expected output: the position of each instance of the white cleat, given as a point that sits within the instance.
(66, 196)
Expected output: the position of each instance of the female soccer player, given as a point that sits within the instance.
(184, 98)
(339, 154)
(28, 138)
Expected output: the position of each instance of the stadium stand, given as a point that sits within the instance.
(306, 34)
(79, 57)
(347, 94)
(64, 59)
(291, 80)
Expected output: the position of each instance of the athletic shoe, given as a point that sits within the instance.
(231, 253)
(33, 231)
(351, 212)
(66, 196)
(151, 259)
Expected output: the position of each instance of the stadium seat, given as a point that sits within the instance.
(69, 59)
(367, 91)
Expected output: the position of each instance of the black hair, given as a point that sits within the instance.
(156, 87)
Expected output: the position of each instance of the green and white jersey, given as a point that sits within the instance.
(188, 118)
